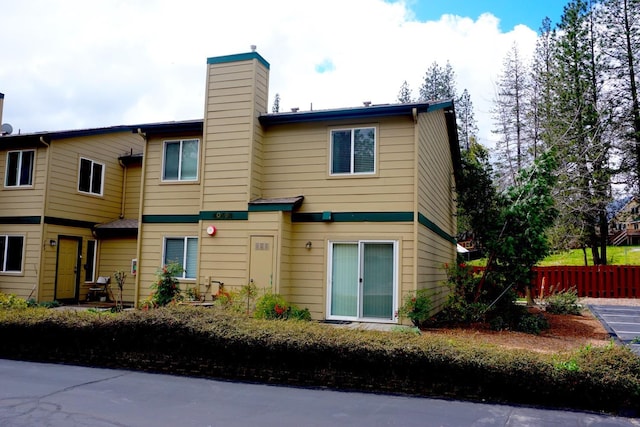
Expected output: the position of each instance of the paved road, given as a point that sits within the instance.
(35, 394)
(622, 323)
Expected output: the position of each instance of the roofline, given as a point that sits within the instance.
(186, 126)
(237, 58)
(352, 113)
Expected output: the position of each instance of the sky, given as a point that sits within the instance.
(74, 64)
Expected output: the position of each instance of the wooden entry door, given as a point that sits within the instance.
(67, 268)
(261, 262)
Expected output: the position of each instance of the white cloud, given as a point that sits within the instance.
(83, 64)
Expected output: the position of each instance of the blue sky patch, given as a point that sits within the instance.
(325, 66)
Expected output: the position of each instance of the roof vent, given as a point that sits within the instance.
(253, 48)
(367, 103)
(295, 110)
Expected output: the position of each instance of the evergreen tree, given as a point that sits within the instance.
(276, 104)
(439, 83)
(620, 41)
(404, 95)
(467, 125)
(509, 116)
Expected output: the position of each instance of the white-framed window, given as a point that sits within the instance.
(19, 172)
(180, 160)
(90, 265)
(11, 253)
(353, 151)
(362, 280)
(183, 251)
(90, 177)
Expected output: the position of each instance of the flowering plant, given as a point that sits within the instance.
(416, 306)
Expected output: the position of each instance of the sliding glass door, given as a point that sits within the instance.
(362, 280)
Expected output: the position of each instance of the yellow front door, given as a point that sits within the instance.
(66, 275)
(261, 263)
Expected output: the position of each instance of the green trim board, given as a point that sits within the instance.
(423, 220)
(224, 215)
(170, 219)
(238, 57)
(66, 222)
(20, 219)
(353, 217)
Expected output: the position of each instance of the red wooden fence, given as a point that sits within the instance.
(605, 281)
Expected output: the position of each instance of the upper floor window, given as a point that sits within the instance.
(353, 151)
(91, 177)
(180, 160)
(183, 251)
(19, 168)
(11, 249)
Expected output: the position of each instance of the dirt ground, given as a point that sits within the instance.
(566, 332)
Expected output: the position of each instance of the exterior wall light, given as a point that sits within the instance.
(308, 245)
(52, 243)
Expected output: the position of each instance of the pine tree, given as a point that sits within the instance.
(509, 116)
(276, 104)
(439, 83)
(404, 95)
(620, 41)
(467, 125)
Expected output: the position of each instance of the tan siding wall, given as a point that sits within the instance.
(132, 189)
(162, 198)
(152, 239)
(64, 200)
(24, 201)
(296, 162)
(436, 201)
(115, 255)
(21, 284)
(308, 277)
(236, 96)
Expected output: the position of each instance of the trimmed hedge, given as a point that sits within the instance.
(214, 343)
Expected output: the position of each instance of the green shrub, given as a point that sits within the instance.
(532, 323)
(465, 303)
(213, 342)
(563, 302)
(166, 287)
(12, 302)
(274, 306)
(416, 307)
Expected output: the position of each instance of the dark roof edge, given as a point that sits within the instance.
(454, 143)
(352, 113)
(171, 127)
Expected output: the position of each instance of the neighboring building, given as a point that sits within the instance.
(340, 211)
(624, 227)
(56, 187)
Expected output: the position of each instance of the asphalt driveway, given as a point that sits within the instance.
(621, 322)
(38, 394)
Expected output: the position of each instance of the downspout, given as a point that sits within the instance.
(140, 205)
(124, 187)
(45, 203)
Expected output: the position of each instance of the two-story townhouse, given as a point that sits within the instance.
(341, 211)
(57, 186)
